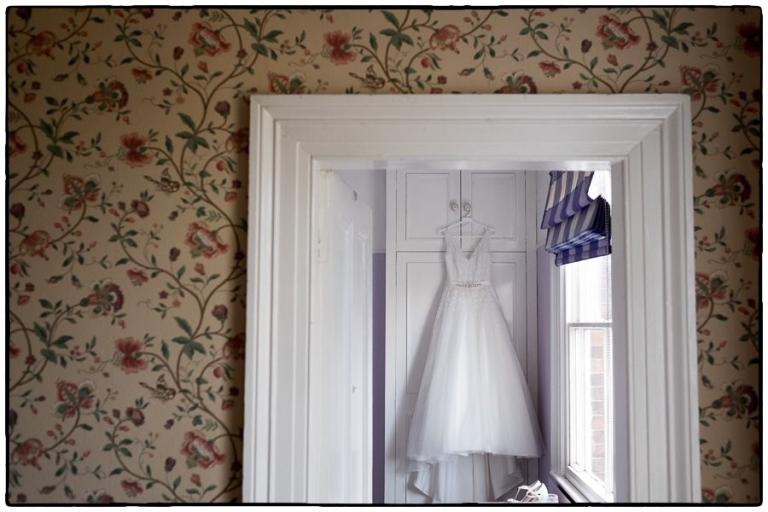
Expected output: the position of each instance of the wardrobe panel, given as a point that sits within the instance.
(427, 201)
(420, 280)
(424, 284)
(496, 199)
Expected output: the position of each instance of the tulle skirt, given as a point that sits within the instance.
(473, 399)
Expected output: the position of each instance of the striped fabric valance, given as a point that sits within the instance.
(579, 226)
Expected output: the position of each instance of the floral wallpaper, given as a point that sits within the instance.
(127, 149)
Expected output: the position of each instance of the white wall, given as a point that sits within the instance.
(371, 188)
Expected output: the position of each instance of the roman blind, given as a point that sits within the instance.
(578, 225)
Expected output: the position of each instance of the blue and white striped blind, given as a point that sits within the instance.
(578, 226)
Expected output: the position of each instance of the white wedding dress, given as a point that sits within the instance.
(473, 397)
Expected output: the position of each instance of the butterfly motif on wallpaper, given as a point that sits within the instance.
(371, 81)
(161, 390)
(165, 184)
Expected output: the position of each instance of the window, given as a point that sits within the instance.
(583, 454)
(588, 340)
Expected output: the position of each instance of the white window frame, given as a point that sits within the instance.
(575, 483)
(648, 137)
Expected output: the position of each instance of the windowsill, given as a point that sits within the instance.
(571, 492)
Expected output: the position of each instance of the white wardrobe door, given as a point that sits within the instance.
(340, 410)
(420, 280)
(497, 199)
(424, 204)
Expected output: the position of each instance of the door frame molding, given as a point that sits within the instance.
(647, 136)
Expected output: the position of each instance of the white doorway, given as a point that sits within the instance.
(646, 137)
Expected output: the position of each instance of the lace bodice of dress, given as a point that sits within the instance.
(468, 268)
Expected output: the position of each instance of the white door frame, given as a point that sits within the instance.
(648, 135)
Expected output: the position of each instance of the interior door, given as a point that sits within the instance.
(427, 201)
(496, 199)
(340, 356)
(420, 280)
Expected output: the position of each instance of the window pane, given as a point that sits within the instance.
(588, 318)
(601, 185)
(590, 400)
(588, 285)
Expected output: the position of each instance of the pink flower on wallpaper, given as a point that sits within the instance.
(25, 13)
(549, 68)
(109, 96)
(234, 348)
(136, 153)
(105, 297)
(135, 415)
(339, 47)
(284, 84)
(131, 488)
(223, 108)
(42, 44)
(698, 82)
(140, 207)
(731, 188)
(445, 38)
(750, 39)
(200, 452)
(35, 244)
(17, 210)
(141, 75)
(130, 361)
(73, 398)
(205, 40)
(238, 141)
(16, 145)
(740, 400)
(79, 191)
(518, 83)
(100, 496)
(137, 277)
(28, 453)
(753, 240)
(711, 288)
(203, 241)
(615, 34)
